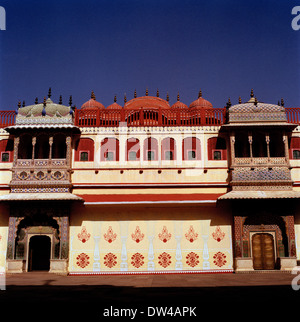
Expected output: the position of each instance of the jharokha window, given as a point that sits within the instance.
(259, 143)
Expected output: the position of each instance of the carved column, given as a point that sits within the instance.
(268, 145)
(68, 152)
(64, 237)
(232, 148)
(16, 150)
(33, 147)
(286, 146)
(290, 231)
(250, 140)
(50, 147)
(11, 237)
(238, 233)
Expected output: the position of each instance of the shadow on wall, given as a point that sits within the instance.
(218, 215)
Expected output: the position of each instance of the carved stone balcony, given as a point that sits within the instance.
(41, 163)
(261, 161)
(40, 175)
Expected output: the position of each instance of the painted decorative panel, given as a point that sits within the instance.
(154, 245)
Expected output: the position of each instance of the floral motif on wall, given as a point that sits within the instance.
(218, 235)
(110, 236)
(83, 236)
(191, 235)
(137, 260)
(219, 259)
(164, 259)
(110, 260)
(82, 260)
(192, 259)
(138, 235)
(164, 236)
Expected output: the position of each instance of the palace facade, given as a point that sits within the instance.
(149, 187)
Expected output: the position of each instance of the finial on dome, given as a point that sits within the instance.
(255, 101)
(115, 98)
(228, 103)
(125, 98)
(49, 92)
(70, 100)
(178, 97)
(157, 93)
(60, 100)
(36, 101)
(168, 98)
(23, 103)
(282, 102)
(93, 95)
(147, 92)
(44, 107)
(17, 109)
(251, 94)
(240, 100)
(200, 94)
(134, 94)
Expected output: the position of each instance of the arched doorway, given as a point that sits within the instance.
(263, 251)
(39, 253)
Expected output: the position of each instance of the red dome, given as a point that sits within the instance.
(114, 106)
(179, 104)
(201, 102)
(147, 102)
(92, 103)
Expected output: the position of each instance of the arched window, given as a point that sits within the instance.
(132, 149)
(150, 149)
(191, 149)
(109, 149)
(6, 150)
(216, 148)
(294, 148)
(25, 147)
(59, 147)
(168, 149)
(84, 150)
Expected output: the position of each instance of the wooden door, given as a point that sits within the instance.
(263, 251)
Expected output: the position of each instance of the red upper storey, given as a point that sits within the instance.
(149, 117)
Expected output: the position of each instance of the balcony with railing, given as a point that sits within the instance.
(149, 117)
(7, 118)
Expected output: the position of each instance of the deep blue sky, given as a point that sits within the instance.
(115, 46)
